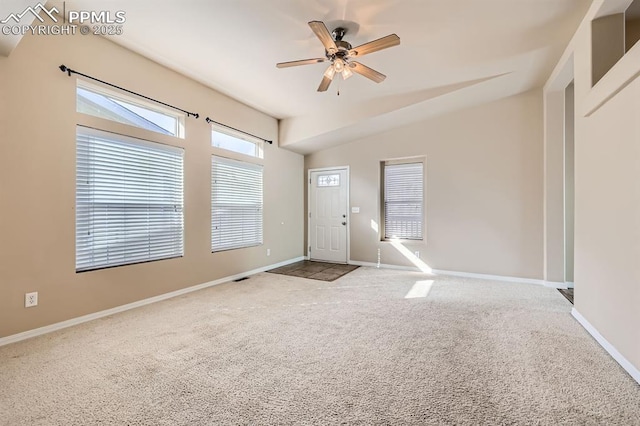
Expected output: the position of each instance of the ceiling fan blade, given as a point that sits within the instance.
(321, 31)
(324, 84)
(301, 62)
(375, 45)
(370, 73)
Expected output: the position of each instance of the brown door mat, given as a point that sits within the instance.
(568, 294)
(315, 270)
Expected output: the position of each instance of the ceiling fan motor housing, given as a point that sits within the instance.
(338, 33)
(343, 46)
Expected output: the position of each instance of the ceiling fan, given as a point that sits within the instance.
(342, 55)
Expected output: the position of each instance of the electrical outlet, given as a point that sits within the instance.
(268, 252)
(31, 299)
(417, 254)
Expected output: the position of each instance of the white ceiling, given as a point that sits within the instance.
(453, 54)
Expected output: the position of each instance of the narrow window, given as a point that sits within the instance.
(329, 180)
(129, 200)
(236, 204)
(110, 105)
(403, 200)
(227, 139)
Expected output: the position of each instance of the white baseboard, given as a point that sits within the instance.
(383, 266)
(489, 277)
(556, 284)
(90, 317)
(569, 284)
(620, 359)
(454, 273)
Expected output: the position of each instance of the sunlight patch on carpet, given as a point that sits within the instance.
(419, 289)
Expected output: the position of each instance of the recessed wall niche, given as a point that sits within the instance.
(611, 37)
(631, 25)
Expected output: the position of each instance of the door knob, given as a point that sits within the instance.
(344, 223)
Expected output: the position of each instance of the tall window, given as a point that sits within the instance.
(403, 200)
(129, 200)
(111, 105)
(236, 204)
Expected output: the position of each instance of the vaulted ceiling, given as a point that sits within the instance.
(453, 54)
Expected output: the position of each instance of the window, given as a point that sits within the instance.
(225, 138)
(403, 200)
(103, 103)
(128, 200)
(329, 180)
(236, 204)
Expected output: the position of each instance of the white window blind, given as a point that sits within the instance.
(129, 200)
(236, 204)
(403, 201)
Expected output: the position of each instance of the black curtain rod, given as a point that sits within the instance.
(69, 71)
(238, 130)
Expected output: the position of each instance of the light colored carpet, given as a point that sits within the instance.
(276, 349)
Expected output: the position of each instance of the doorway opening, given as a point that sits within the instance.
(569, 184)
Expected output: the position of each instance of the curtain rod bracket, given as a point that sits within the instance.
(208, 120)
(69, 71)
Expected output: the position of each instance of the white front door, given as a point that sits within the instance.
(328, 215)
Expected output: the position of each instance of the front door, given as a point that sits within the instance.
(328, 215)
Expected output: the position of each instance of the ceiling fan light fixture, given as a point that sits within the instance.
(346, 73)
(338, 64)
(330, 72)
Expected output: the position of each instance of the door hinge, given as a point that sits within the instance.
(309, 181)
(309, 249)
(309, 214)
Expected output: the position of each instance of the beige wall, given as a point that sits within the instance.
(607, 192)
(37, 178)
(607, 273)
(483, 188)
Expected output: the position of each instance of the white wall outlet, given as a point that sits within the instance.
(417, 253)
(355, 209)
(268, 252)
(31, 299)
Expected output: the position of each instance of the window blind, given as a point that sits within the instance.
(403, 201)
(236, 204)
(129, 200)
